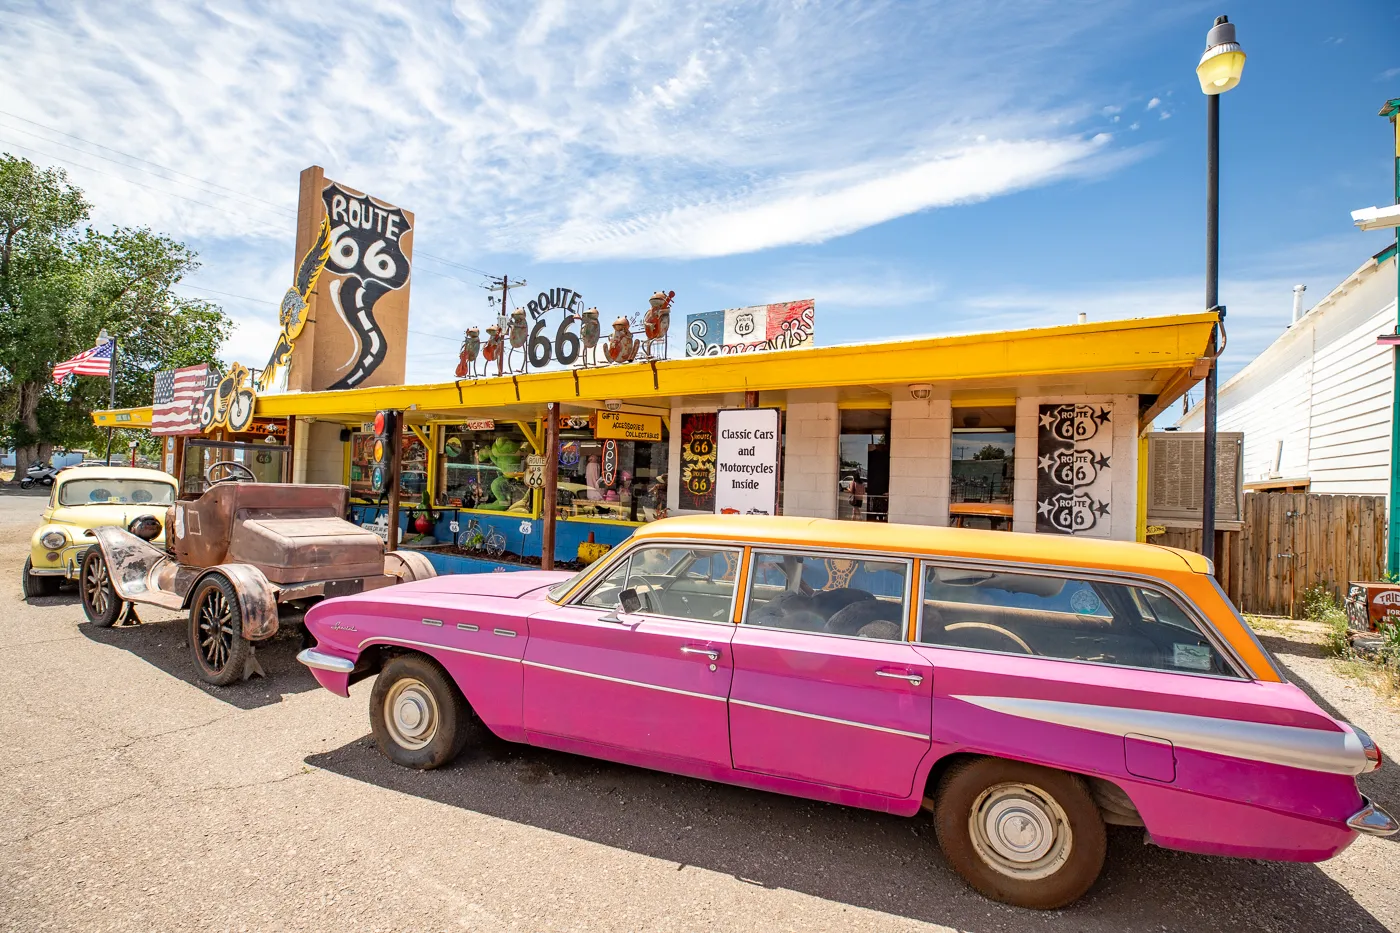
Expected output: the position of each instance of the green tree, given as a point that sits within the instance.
(990, 452)
(60, 286)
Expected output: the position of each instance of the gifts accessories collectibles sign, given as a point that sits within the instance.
(746, 462)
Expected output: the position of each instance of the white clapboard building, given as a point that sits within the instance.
(1314, 407)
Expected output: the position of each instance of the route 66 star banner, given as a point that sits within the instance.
(1073, 481)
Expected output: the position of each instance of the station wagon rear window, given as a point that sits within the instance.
(115, 492)
(1052, 616)
(835, 595)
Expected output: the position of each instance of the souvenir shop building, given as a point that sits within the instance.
(1039, 430)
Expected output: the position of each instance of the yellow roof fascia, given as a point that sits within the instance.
(123, 418)
(1137, 344)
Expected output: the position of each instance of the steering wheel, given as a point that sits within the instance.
(994, 630)
(237, 473)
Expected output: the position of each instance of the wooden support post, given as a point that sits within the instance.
(750, 399)
(395, 459)
(549, 507)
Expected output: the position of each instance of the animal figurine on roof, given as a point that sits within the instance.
(621, 347)
(589, 332)
(657, 323)
(471, 346)
(491, 352)
(518, 332)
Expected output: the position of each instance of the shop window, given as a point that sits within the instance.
(413, 466)
(984, 467)
(611, 479)
(863, 493)
(483, 468)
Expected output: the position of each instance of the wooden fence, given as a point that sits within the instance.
(1292, 541)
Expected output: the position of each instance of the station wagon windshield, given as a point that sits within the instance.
(115, 492)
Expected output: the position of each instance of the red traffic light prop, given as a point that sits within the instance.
(385, 427)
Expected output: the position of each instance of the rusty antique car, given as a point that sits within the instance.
(242, 557)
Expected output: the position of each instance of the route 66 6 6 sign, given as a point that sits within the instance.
(534, 471)
(1073, 447)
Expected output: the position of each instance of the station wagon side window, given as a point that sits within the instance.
(1066, 618)
(673, 581)
(833, 594)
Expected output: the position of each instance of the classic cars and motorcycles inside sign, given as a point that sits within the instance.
(746, 462)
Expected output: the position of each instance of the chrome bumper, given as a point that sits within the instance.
(1373, 821)
(320, 661)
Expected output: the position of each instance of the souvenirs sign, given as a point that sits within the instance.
(622, 426)
(746, 462)
(783, 326)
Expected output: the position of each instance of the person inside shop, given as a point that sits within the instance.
(857, 495)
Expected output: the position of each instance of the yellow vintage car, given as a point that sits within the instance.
(88, 497)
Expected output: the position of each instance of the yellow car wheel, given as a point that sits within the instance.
(32, 586)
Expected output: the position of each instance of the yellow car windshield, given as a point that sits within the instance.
(115, 492)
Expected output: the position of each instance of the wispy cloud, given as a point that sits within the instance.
(617, 128)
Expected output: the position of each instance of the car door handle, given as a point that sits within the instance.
(914, 679)
(711, 653)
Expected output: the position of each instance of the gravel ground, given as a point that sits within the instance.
(134, 798)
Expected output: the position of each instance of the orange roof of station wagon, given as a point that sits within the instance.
(1066, 550)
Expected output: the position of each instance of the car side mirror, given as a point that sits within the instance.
(630, 600)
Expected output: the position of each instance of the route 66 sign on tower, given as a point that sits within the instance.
(354, 329)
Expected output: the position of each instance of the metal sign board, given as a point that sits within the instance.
(623, 426)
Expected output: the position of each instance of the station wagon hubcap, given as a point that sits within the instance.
(95, 587)
(1020, 831)
(411, 713)
(215, 630)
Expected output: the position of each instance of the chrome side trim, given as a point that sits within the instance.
(504, 632)
(1373, 821)
(620, 680)
(468, 627)
(831, 719)
(320, 661)
(1292, 746)
(379, 640)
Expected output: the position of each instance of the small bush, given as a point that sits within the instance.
(1319, 605)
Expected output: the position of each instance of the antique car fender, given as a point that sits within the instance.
(131, 561)
(39, 552)
(408, 566)
(257, 598)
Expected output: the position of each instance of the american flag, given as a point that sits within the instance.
(179, 393)
(94, 362)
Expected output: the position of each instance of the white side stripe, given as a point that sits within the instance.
(839, 722)
(619, 680)
(1291, 746)
(377, 640)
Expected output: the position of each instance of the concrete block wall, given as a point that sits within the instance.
(1123, 463)
(920, 459)
(812, 457)
(319, 454)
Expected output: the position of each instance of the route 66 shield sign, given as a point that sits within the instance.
(534, 471)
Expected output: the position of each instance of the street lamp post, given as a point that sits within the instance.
(1391, 110)
(1219, 70)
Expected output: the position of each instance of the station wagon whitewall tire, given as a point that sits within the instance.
(101, 604)
(1020, 833)
(419, 718)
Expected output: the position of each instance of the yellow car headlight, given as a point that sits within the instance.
(53, 540)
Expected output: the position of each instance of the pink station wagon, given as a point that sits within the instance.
(1026, 689)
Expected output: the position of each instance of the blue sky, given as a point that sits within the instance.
(916, 168)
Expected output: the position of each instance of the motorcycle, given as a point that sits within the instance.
(38, 473)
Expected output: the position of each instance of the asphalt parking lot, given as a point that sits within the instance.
(135, 798)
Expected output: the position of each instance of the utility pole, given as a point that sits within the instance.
(503, 284)
(1392, 563)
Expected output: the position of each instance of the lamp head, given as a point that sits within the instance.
(1223, 61)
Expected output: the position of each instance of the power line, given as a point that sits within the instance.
(215, 291)
(130, 156)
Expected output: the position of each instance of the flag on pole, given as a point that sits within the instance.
(94, 362)
(179, 393)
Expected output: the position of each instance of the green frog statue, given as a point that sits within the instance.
(508, 494)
